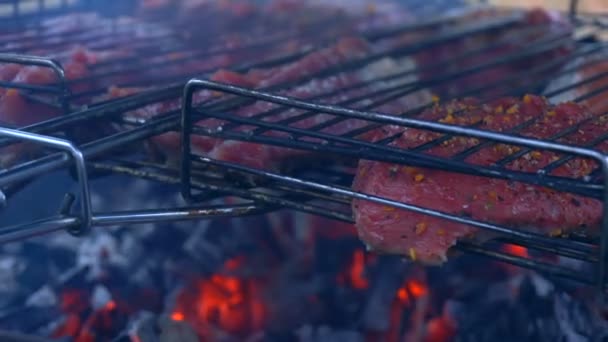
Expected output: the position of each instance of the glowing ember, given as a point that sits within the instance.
(440, 329)
(231, 303)
(111, 305)
(403, 296)
(85, 336)
(516, 250)
(411, 288)
(69, 328)
(74, 301)
(355, 275)
(99, 321)
(357, 271)
(417, 289)
(234, 263)
(177, 316)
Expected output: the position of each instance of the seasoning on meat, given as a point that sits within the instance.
(534, 208)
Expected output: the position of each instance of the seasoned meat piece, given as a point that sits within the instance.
(344, 50)
(267, 156)
(16, 110)
(514, 204)
(310, 64)
(169, 143)
(270, 157)
(273, 158)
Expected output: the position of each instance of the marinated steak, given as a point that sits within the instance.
(533, 208)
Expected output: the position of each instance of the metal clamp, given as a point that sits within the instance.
(81, 171)
(600, 279)
(186, 131)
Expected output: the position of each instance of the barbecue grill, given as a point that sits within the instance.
(322, 190)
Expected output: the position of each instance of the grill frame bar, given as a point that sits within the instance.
(187, 129)
(261, 203)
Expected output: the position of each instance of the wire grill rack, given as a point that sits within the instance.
(319, 190)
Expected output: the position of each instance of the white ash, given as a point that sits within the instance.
(98, 250)
(100, 297)
(44, 297)
(173, 331)
(10, 269)
(143, 327)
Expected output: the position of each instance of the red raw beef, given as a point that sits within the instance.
(307, 66)
(169, 143)
(17, 111)
(534, 208)
(273, 158)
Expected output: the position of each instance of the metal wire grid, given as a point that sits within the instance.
(164, 44)
(114, 108)
(20, 13)
(263, 201)
(347, 144)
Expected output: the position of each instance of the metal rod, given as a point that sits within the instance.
(78, 159)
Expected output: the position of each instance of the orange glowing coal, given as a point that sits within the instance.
(81, 329)
(177, 316)
(224, 302)
(354, 275)
(440, 329)
(411, 288)
(74, 301)
(516, 250)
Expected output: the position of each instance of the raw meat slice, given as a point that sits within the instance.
(427, 239)
(17, 111)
